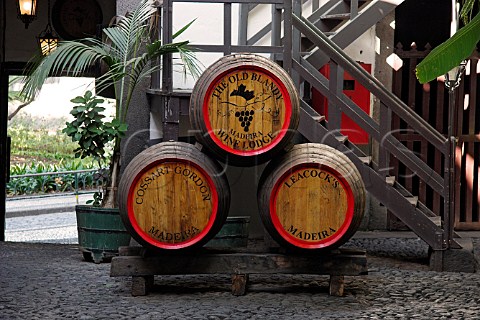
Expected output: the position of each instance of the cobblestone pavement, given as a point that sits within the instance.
(51, 281)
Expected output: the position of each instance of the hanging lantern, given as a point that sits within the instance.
(27, 11)
(48, 39)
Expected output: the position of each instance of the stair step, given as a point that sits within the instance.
(329, 33)
(336, 16)
(342, 139)
(318, 118)
(413, 200)
(390, 180)
(366, 160)
(437, 220)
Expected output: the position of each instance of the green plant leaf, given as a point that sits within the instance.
(97, 101)
(179, 32)
(450, 53)
(123, 127)
(78, 100)
(98, 109)
(81, 108)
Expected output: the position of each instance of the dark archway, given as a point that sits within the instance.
(7, 69)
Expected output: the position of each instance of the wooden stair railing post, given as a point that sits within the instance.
(243, 24)
(287, 34)
(167, 68)
(335, 85)
(296, 41)
(385, 129)
(227, 28)
(353, 8)
(276, 30)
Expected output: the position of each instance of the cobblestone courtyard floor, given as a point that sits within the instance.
(51, 281)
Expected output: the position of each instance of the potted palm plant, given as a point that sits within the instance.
(126, 51)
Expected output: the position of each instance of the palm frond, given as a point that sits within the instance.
(191, 65)
(467, 9)
(128, 33)
(72, 57)
(156, 48)
(186, 52)
(179, 32)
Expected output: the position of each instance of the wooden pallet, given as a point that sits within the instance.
(142, 266)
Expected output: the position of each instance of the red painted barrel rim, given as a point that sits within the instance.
(288, 111)
(179, 245)
(309, 244)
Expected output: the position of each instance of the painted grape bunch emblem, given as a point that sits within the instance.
(245, 118)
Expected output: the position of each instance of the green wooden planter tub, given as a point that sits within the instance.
(100, 232)
(234, 233)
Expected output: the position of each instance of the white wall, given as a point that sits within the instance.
(208, 29)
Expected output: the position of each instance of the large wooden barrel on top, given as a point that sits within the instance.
(244, 109)
(311, 198)
(172, 196)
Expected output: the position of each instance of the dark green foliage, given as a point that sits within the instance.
(97, 199)
(90, 130)
(60, 178)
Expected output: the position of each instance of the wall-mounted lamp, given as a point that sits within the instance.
(27, 11)
(452, 77)
(48, 39)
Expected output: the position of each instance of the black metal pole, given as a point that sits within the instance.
(450, 218)
(452, 82)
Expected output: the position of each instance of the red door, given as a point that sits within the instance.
(355, 91)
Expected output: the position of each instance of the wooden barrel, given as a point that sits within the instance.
(172, 196)
(244, 109)
(311, 198)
